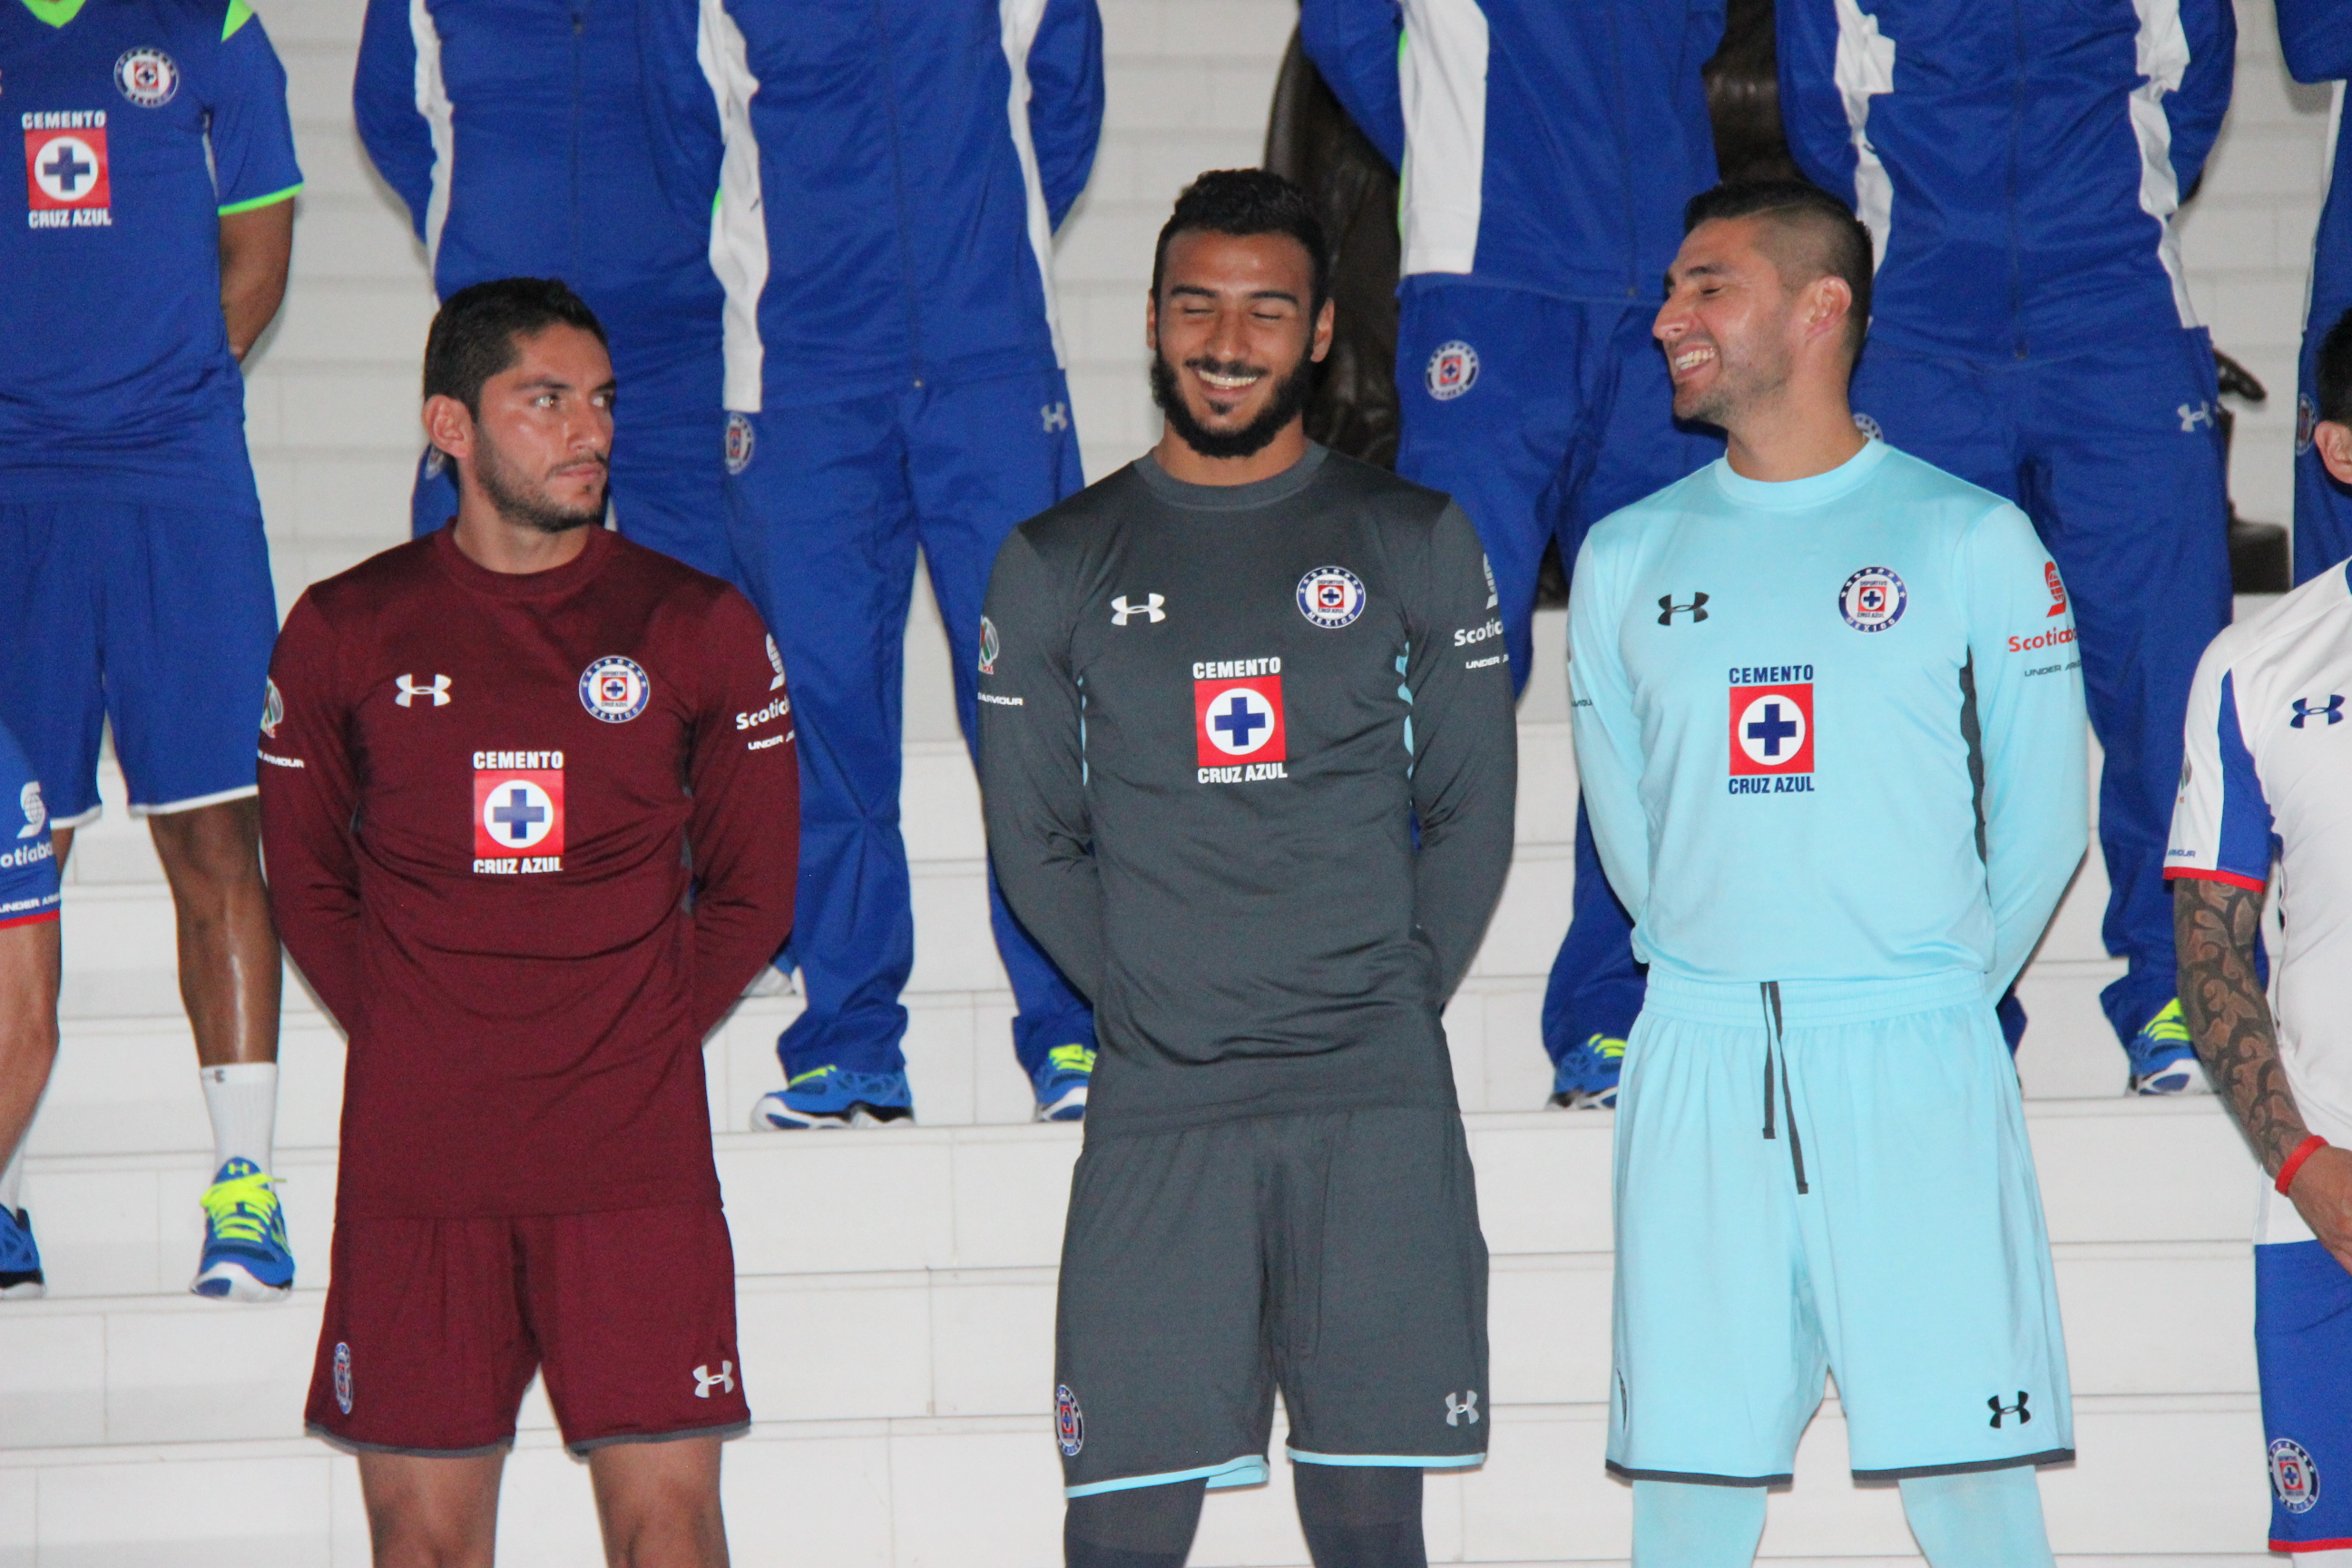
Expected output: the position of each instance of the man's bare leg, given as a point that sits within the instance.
(229, 973)
(659, 1504)
(432, 1513)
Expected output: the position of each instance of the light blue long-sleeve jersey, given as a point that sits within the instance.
(1831, 728)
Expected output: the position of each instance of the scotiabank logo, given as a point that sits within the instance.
(2057, 589)
(2055, 637)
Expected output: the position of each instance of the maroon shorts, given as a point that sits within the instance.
(434, 1328)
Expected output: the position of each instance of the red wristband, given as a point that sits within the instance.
(2303, 1151)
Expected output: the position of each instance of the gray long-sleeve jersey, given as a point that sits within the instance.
(1210, 718)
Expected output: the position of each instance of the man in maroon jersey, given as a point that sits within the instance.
(529, 804)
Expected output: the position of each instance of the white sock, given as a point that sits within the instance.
(243, 1101)
(12, 1180)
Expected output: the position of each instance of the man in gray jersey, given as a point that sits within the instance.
(1247, 747)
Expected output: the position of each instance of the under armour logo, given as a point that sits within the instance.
(410, 691)
(1055, 416)
(705, 1380)
(1464, 1410)
(1668, 609)
(2333, 712)
(2000, 1410)
(1149, 609)
(2192, 413)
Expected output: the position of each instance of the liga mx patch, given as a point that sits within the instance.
(1070, 1422)
(66, 180)
(517, 812)
(2294, 1476)
(1771, 734)
(1872, 599)
(615, 688)
(342, 1377)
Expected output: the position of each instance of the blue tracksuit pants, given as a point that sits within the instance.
(2323, 507)
(827, 505)
(2115, 456)
(1542, 416)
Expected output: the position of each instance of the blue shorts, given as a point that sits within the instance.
(158, 618)
(1850, 1192)
(2303, 1345)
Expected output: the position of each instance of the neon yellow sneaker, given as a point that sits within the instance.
(2164, 1057)
(1586, 1077)
(1061, 1080)
(246, 1256)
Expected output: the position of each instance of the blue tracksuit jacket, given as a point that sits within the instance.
(2316, 37)
(939, 201)
(576, 139)
(2019, 178)
(1552, 146)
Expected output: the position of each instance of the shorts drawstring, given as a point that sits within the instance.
(1771, 990)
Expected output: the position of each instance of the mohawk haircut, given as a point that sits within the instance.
(1814, 236)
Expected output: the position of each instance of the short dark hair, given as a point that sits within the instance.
(1247, 201)
(2334, 372)
(1841, 246)
(474, 333)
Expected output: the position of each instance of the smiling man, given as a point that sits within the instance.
(530, 798)
(1218, 691)
(1829, 721)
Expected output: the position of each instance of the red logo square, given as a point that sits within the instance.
(65, 169)
(1238, 721)
(518, 813)
(1772, 729)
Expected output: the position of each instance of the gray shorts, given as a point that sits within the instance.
(1334, 1255)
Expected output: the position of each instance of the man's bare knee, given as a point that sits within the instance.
(431, 1513)
(214, 847)
(658, 1504)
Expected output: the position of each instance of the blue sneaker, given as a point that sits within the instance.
(2163, 1056)
(1586, 1077)
(1062, 1079)
(20, 1259)
(835, 1097)
(246, 1258)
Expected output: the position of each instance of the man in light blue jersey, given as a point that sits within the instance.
(1829, 719)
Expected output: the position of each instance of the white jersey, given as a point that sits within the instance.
(2264, 781)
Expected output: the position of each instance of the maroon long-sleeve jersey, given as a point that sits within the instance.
(528, 837)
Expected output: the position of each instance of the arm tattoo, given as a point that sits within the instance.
(2214, 927)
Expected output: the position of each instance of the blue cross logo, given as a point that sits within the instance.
(1772, 729)
(2333, 712)
(518, 815)
(65, 169)
(1238, 723)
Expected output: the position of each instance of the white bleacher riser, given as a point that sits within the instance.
(896, 1304)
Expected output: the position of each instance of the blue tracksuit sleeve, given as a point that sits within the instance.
(1813, 109)
(2026, 671)
(2196, 107)
(1607, 730)
(2315, 35)
(1065, 100)
(384, 100)
(1354, 44)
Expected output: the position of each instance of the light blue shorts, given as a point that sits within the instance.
(1847, 1188)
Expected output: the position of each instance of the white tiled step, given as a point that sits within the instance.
(979, 1342)
(984, 1492)
(2114, 1173)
